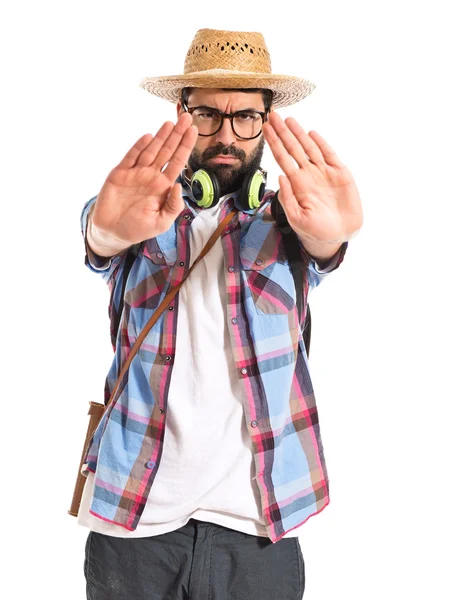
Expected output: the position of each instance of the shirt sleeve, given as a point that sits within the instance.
(105, 266)
(315, 273)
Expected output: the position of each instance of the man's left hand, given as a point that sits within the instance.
(318, 193)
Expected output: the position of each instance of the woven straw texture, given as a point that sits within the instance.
(236, 59)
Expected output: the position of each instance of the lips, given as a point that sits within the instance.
(221, 159)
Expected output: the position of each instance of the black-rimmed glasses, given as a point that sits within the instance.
(246, 124)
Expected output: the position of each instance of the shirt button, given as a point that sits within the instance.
(231, 269)
(226, 231)
(254, 423)
(160, 255)
(181, 264)
(161, 410)
(170, 307)
(244, 371)
(187, 217)
(259, 261)
(234, 320)
(150, 464)
(168, 358)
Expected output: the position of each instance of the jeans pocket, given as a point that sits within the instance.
(87, 555)
(301, 567)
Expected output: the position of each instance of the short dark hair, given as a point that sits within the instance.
(267, 95)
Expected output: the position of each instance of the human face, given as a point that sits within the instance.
(226, 155)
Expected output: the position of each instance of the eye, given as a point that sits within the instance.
(206, 114)
(247, 116)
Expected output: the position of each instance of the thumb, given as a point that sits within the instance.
(174, 204)
(287, 199)
(285, 193)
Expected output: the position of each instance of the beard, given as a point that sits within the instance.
(230, 177)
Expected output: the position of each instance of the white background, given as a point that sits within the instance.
(383, 352)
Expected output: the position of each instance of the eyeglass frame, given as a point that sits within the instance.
(230, 116)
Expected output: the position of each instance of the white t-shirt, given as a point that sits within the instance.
(207, 469)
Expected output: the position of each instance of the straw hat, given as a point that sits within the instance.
(229, 59)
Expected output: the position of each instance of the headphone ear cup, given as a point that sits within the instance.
(216, 188)
(252, 190)
(205, 188)
(244, 191)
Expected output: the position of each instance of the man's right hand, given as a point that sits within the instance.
(139, 200)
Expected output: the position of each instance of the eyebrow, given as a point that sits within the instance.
(238, 110)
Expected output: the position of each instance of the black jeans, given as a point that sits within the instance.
(200, 561)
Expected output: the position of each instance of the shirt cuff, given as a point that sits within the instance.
(332, 263)
(93, 260)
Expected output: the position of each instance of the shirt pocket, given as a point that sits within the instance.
(160, 252)
(151, 279)
(265, 270)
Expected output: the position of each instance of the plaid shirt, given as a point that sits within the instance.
(267, 349)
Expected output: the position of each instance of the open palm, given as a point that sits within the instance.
(140, 199)
(318, 193)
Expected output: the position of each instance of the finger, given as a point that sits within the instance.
(328, 153)
(282, 157)
(308, 144)
(150, 151)
(174, 203)
(290, 142)
(182, 153)
(287, 199)
(131, 157)
(168, 148)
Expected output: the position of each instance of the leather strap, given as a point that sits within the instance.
(96, 410)
(166, 301)
(95, 413)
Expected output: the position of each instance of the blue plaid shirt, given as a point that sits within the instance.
(267, 349)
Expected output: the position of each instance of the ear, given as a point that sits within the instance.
(179, 108)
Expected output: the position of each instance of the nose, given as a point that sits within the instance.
(225, 135)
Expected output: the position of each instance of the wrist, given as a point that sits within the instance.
(321, 252)
(103, 243)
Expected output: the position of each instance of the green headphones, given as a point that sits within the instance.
(206, 190)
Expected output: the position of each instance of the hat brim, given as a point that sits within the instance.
(286, 89)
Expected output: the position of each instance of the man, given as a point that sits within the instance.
(209, 460)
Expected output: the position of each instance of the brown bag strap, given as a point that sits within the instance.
(166, 301)
(96, 410)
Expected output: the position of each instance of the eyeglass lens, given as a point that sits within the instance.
(246, 123)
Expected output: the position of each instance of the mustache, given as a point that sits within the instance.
(224, 150)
